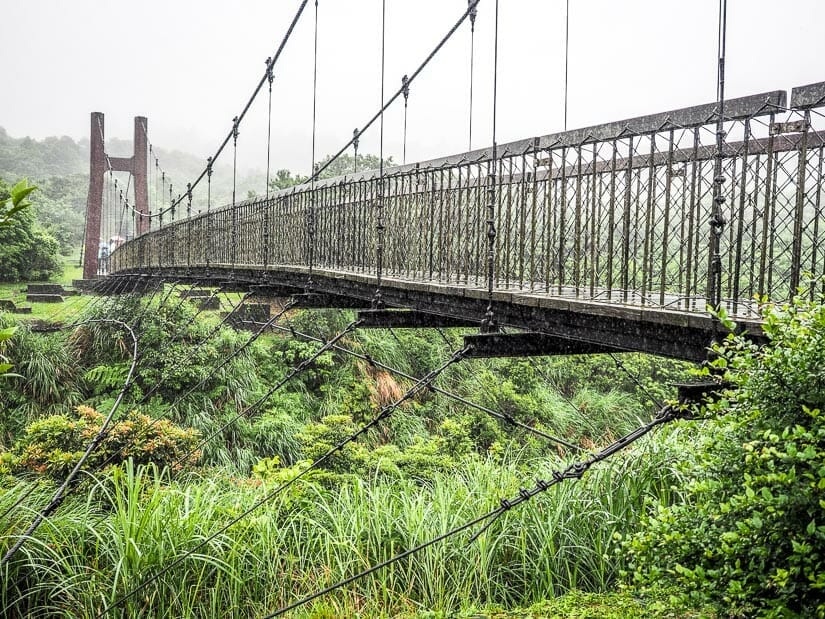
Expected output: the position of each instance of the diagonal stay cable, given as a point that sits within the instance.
(60, 493)
(635, 379)
(440, 390)
(197, 347)
(573, 471)
(384, 413)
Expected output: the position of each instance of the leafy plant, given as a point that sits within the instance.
(750, 536)
(16, 201)
(6, 334)
(53, 445)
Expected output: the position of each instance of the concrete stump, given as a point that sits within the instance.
(247, 315)
(44, 298)
(52, 289)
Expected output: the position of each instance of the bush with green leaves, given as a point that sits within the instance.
(750, 534)
(53, 445)
(27, 252)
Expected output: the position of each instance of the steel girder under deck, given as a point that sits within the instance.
(599, 326)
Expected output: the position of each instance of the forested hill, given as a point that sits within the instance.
(53, 156)
(59, 166)
(63, 156)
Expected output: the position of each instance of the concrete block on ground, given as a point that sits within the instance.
(44, 298)
(53, 289)
(206, 302)
(84, 284)
(246, 316)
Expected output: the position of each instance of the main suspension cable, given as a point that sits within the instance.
(211, 160)
(399, 92)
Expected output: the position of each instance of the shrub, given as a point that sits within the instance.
(750, 536)
(53, 445)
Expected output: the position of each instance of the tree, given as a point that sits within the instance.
(26, 251)
(343, 164)
(11, 207)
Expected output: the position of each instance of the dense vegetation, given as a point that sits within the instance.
(432, 465)
(749, 534)
(718, 517)
(27, 251)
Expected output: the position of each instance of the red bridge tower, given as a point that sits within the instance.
(137, 164)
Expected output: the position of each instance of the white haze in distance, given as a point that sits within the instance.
(190, 66)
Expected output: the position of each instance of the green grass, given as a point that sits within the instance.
(581, 605)
(97, 547)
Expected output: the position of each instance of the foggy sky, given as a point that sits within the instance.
(191, 65)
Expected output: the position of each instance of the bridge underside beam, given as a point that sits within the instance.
(683, 335)
(410, 319)
(530, 345)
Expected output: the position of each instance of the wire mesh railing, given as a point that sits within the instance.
(617, 213)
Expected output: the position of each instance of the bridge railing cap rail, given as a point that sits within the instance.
(808, 96)
(683, 118)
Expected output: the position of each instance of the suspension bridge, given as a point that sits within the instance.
(634, 235)
(615, 237)
(603, 235)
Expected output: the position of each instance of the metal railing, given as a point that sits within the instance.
(618, 213)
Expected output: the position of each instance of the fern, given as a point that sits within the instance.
(105, 378)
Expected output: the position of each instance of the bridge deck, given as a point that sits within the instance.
(656, 330)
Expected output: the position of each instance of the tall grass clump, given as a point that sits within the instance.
(136, 521)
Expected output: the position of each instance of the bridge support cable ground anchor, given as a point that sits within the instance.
(696, 392)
